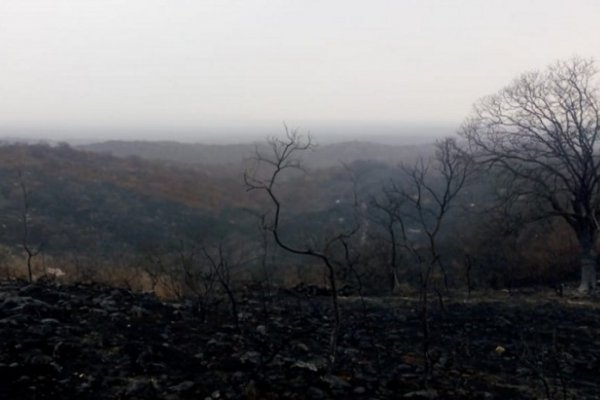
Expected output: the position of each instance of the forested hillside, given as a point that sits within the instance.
(101, 205)
(87, 206)
(78, 198)
(322, 156)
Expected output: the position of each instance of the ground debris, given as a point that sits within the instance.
(95, 342)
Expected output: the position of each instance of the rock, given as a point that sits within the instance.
(335, 382)
(422, 394)
(253, 357)
(25, 305)
(69, 346)
(99, 312)
(307, 365)
(360, 390)
(315, 393)
(143, 388)
(261, 329)
(301, 346)
(138, 312)
(184, 386)
(39, 359)
(11, 321)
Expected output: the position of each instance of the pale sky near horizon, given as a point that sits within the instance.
(182, 64)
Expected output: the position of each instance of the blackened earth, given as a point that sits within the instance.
(95, 342)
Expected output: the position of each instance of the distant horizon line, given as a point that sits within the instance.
(220, 134)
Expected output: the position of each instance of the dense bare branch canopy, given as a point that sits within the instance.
(543, 131)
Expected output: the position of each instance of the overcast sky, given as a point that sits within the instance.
(175, 64)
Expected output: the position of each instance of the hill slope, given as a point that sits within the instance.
(82, 200)
(79, 197)
(330, 155)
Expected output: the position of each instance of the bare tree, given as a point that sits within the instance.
(422, 203)
(543, 130)
(282, 158)
(31, 251)
(181, 272)
(389, 216)
(221, 268)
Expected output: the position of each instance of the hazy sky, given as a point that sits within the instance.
(234, 63)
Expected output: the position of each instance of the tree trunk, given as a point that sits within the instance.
(588, 261)
(588, 271)
(395, 282)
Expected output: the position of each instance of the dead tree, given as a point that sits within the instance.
(282, 158)
(31, 251)
(388, 207)
(426, 194)
(543, 130)
(221, 268)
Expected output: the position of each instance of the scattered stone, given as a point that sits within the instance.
(142, 387)
(306, 365)
(335, 382)
(261, 329)
(253, 357)
(315, 393)
(360, 390)
(184, 386)
(422, 394)
(89, 341)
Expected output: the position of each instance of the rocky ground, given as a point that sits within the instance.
(95, 342)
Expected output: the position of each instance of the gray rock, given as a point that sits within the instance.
(335, 381)
(422, 394)
(141, 388)
(253, 357)
(360, 390)
(315, 393)
(183, 386)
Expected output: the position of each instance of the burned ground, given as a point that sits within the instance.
(95, 342)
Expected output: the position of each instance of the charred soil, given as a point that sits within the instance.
(89, 341)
